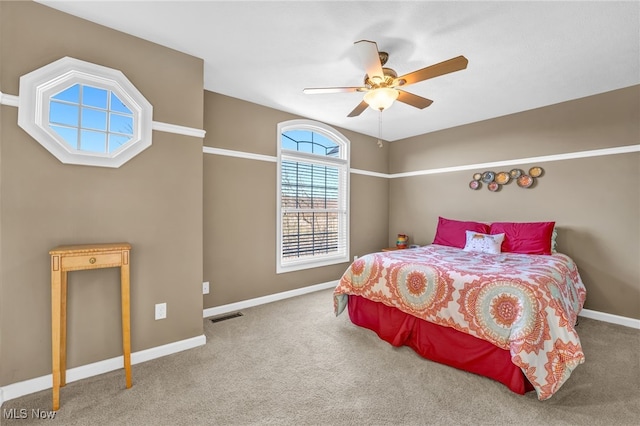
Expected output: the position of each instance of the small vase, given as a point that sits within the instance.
(402, 241)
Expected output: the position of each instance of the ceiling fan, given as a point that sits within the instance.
(382, 85)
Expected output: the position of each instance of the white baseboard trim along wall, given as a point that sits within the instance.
(26, 387)
(614, 319)
(233, 307)
(16, 390)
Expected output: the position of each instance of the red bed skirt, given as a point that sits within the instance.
(441, 344)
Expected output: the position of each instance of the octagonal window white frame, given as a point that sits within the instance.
(37, 88)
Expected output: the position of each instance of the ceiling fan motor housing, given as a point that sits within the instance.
(376, 82)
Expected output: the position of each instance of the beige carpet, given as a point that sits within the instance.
(293, 363)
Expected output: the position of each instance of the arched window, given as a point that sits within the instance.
(84, 113)
(313, 196)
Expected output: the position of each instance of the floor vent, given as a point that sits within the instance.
(226, 317)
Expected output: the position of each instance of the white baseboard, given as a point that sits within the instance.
(233, 307)
(614, 319)
(37, 384)
(26, 387)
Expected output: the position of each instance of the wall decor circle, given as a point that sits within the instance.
(488, 177)
(525, 181)
(535, 172)
(494, 186)
(474, 184)
(503, 178)
(516, 173)
(477, 176)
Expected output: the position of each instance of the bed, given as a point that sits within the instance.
(507, 312)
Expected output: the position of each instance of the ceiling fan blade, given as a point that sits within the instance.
(359, 109)
(455, 64)
(370, 57)
(320, 90)
(413, 100)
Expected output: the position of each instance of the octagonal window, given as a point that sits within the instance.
(84, 113)
(91, 119)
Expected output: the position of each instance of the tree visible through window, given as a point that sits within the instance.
(312, 196)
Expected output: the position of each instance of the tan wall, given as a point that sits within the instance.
(594, 201)
(240, 204)
(191, 217)
(154, 202)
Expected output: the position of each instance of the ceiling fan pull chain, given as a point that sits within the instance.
(379, 128)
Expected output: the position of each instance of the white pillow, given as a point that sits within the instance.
(483, 243)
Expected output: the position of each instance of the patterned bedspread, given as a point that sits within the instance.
(527, 304)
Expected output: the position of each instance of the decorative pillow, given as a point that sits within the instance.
(525, 237)
(452, 232)
(554, 237)
(483, 243)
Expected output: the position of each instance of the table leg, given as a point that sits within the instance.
(126, 316)
(56, 295)
(63, 329)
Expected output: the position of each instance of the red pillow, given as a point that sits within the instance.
(452, 233)
(525, 237)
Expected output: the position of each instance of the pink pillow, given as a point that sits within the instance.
(452, 233)
(525, 237)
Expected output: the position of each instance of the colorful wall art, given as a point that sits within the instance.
(495, 181)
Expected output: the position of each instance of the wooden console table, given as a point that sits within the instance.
(77, 258)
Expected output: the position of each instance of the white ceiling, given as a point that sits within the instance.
(522, 55)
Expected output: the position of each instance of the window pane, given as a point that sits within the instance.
(309, 234)
(72, 94)
(94, 119)
(116, 141)
(121, 124)
(118, 105)
(288, 143)
(92, 96)
(60, 113)
(329, 148)
(70, 135)
(310, 142)
(93, 141)
(307, 185)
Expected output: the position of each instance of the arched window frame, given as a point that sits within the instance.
(342, 164)
(38, 87)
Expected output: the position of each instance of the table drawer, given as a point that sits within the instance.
(98, 260)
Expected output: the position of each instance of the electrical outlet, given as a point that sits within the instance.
(161, 311)
(205, 287)
(355, 257)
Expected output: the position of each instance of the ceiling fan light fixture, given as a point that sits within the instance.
(381, 98)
